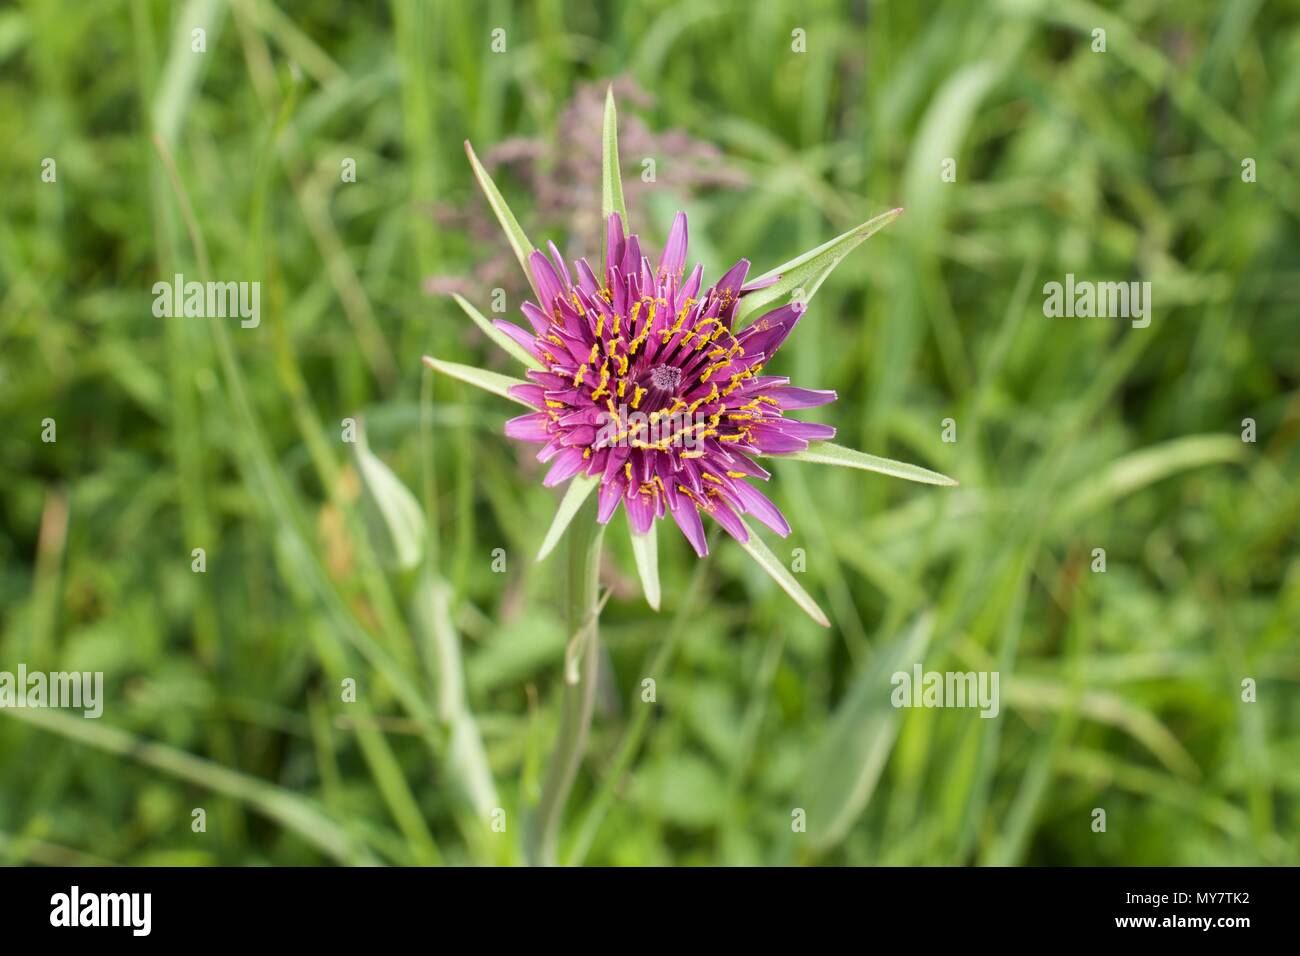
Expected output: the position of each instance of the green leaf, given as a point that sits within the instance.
(611, 179)
(806, 273)
(394, 522)
(579, 488)
(828, 453)
(478, 377)
(496, 335)
(782, 576)
(509, 224)
(848, 760)
(645, 549)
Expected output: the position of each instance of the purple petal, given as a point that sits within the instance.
(691, 288)
(614, 241)
(529, 427)
(732, 279)
(808, 431)
(610, 495)
(688, 519)
(641, 512)
(674, 258)
(771, 329)
(550, 450)
(791, 397)
(581, 436)
(560, 265)
(614, 466)
(567, 464)
(741, 463)
(720, 512)
(587, 281)
(631, 261)
(548, 282)
(536, 318)
(771, 441)
(534, 395)
(758, 505)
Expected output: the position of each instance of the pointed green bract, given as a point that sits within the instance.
(770, 563)
(479, 378)
(496, 335)
(808, 271)
(393, 519)
(645, 549)
(611, 179)
(828, 453)
(509, 224)
(579, 488)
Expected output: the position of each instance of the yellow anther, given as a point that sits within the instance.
(604, 381)
(713, 368)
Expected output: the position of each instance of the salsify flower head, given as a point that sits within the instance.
(648, 388)
(659, 391)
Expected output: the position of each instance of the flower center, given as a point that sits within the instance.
(666, 377)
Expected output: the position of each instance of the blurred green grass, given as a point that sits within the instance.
(1120, 690)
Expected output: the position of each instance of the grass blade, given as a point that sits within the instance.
(579, 488)
(848, 761)
(287, 808)
(779, 573)
(392, 516)
(1139, 469)
(806, 273)
(828, 453)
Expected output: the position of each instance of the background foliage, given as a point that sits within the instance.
(1119, 690)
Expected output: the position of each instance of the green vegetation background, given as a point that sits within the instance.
(1120, 690)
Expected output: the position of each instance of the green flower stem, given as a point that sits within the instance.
(582, 609)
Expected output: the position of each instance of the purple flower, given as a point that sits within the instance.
(648, 387)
